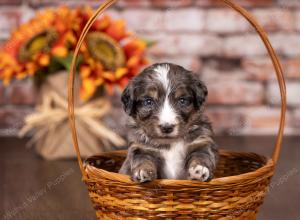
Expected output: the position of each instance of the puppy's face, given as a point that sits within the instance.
(164, 100)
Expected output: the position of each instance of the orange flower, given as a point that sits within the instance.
(133, 61)
(123, 82)
(102, 23)
(6, 75)
(30, 67)
(109, 75)
(88, 88)
(85, 71)
(44, 59)
(135, 47)
(117, 30)
(121, 72)
(59, 51)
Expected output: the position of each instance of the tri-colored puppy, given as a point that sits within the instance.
(169, 136)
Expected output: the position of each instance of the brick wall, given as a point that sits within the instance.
(206, 37)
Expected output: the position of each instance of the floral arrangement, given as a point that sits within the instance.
(109, 57)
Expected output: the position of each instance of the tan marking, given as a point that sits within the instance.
(153, 93)
(202, 140)
(180, 92)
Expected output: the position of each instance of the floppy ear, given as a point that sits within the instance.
(128, 99)
(201, 92)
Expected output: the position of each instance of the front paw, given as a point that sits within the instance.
(199, 172)
(144, 173)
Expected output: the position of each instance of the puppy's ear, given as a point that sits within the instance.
(200, 91)
(127, 99)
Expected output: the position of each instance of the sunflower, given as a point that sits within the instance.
(32, 46)
(109, 63)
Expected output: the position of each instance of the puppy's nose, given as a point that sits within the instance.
(166, 128)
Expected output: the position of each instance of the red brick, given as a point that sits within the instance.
(185, 44)
(293, 91)
(188, 62)
(208, 3)
(275, 19)
(261, 120)
(188, 19)
(42, 3)
(13, 118)
(225, 21)
(74, 3)
(259, 68)
(288, 3)
(262, 117)
(235, 92)
(248, 45)
(213, 74)
(9, 20)
(286, 44)
(225, 120)
(144, 20)
(21, 93)
(297, 19)
(171, 3)
(10, 2)
(296, 119)
(247, 3)
(292, 68)
(133, 3)
(2, 95)
(262, 68)
(154, 3)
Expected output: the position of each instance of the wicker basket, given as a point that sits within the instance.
(241, 182)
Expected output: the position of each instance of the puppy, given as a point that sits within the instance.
(169, 136)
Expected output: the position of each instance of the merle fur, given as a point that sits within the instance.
(146, 145)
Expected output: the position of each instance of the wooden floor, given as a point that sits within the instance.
(32, 188)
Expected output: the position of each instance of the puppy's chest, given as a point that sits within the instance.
(174, 159)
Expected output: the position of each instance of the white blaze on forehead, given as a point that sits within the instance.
(162, 75)
(167, 114)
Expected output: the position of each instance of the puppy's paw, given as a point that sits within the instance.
(144, 173)
(199, 172)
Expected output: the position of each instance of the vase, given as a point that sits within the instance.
(97, 120)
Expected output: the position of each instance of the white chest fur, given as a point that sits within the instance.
(174, 160)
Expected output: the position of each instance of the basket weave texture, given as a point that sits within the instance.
(238, 190)
(115, 197)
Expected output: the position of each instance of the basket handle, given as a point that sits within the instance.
(231, 4)
(278, 69)
(87, 27)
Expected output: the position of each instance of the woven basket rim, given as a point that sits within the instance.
(94, 173)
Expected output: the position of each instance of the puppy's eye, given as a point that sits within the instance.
(148, 102)
(184, 101)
